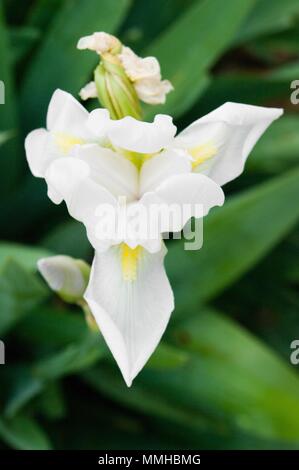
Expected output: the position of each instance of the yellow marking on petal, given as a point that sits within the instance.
(138, 159)
(129, 261)
(148, 156)
(134, 157)
(65, 142)
(202, 153)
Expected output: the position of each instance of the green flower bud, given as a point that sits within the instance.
(116, 92)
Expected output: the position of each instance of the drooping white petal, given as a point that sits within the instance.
(137, 67)
(72, 180)
(145, 74)
(222, 140)
(160, 167)
(67, 115)
(153, 90)
(99, 42)
(143, 137)
(54, 195)
(37, 145)
(131, 300)
(183, 196)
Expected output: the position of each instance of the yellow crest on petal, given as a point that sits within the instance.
(202, 153)
(66, 142)
(129, 261)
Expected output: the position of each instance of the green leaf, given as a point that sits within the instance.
(20, 291)
(51, 402)
(273, 47)
(198, 38)
(10, 165)
(31, 204)
(22, 40)
(231, 379)
(144, 399)
(28, 382)
(70, 239)
(267, 17)
(5, 136)
(72, 350)
(75, 357)
(71, 68)
(167, 357)
(23, 386)
(52, 328)
(146, 20)
(25, 256)
(23, 433)
(42, 12)
(286, 72)
(241, 377)
(243, 87)
(278, 150)
(236, 237)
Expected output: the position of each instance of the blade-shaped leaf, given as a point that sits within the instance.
(231, 378)
(278, 150)
(268, 16)
(197, 39)
(71, 68)
(25, 256)
(20, 291)
(70, 239)
(23, 433)
(73, 358)
(235, 237)
(11, 163)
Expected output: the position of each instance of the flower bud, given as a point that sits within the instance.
(66, 276)
(115, 90)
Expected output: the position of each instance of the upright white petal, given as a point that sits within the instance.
(143, 137)
(131, 304)
(111, 170)
(37, 144)
(222, 140)
(66, 114)
(99, 122)
(66, 128)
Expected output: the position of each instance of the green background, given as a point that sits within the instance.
(221, 378)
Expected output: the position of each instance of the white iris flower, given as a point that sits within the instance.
(89, 160)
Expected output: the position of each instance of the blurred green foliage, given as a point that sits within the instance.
(221, 378)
